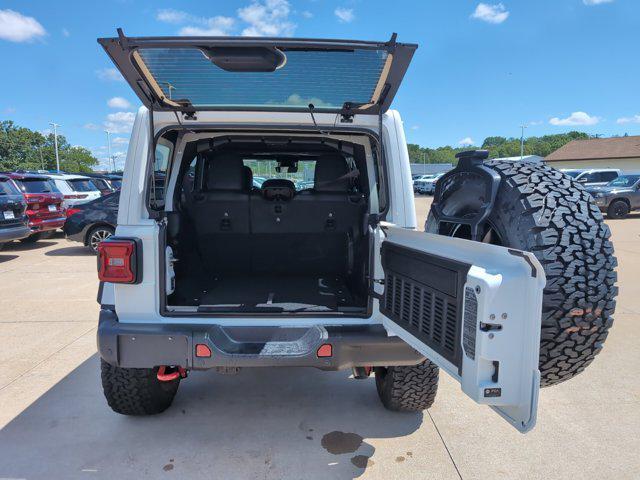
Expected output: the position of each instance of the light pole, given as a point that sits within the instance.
(55, 142)
(109, 147)
(522, 142)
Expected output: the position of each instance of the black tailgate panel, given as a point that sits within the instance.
(423, 295)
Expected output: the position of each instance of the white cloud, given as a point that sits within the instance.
(16, 27)
(91, 126)
(119, 122)
(169, 15)
(345, 15)
(576, 118)
(110, 74)
(267, 18)
(466, 142)
(120, 140)
(307, 14)
(66, 33)
(495, 13)
(118, 102)
(596, 2)
(415, 127)
(200, 26)
(211, 27)
(623, 120)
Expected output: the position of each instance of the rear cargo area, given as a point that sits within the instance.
(287, 243)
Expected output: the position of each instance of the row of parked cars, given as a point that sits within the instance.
(35, 204)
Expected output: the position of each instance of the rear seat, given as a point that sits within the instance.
(319, 226)
(220, 214)
(240, 230)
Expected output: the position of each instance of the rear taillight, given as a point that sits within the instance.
(71, 211)
(118, 260)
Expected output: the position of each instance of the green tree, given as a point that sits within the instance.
(22, 148)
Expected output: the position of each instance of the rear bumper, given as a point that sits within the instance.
(148, 345)
(44, 225)
(14, 233)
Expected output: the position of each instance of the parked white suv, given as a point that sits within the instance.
(77, 189)
(206, 271)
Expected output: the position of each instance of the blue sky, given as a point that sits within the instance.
(482, 68)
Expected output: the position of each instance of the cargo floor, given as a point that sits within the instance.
(288, 292)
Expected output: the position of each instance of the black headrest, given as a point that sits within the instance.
(226, 172)
(248, 178)
(278, 189)
(328, 170)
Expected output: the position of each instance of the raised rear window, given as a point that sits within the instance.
(82, 185)
(324, 78)
(7, 188)
(37, 185)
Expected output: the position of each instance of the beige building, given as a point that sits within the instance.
(620, 152)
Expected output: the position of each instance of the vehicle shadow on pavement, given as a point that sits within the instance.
(23, 247)
(77, 251)
(261, 423)
(6, 258)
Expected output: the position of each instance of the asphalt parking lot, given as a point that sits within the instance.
(286, 423)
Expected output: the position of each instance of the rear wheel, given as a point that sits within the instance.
(136, 391)
(409, 388)
(541, 210)
(618, 209)
(97, 235)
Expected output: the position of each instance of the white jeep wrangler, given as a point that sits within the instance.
(267, 219)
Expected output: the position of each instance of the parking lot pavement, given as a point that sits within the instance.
(286, 423)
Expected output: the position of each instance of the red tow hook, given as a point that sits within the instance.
(173, 374)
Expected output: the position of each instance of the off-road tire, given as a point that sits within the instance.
(618, 209)
(136, 391)
(407, 389)
(541, 210)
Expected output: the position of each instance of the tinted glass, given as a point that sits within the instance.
(573, 174)
(624, 181)
(608, 176)
(100, 183)
(324, 78)
(34, 185)
(116, 184)
(82, 185)
(7, 188)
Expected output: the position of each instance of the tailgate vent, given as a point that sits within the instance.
(423, 295)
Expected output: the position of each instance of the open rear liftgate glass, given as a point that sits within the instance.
(472, 308)
(191, 74)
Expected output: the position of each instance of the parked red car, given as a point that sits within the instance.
(44, 204)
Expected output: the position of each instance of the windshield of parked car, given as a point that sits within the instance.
(82, 185)
(624, 181)
(572, 173)
(117, 184)
(7, 188)
(38, 185)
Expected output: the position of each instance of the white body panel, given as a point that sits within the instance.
(507, 295)
(140, 303)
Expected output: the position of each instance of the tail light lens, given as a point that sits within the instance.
(118, 260)
(71, 211)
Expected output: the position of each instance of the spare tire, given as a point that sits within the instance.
(541, 210)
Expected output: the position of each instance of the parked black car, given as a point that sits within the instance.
(619, 196)
(94, 221)
(13, 219)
